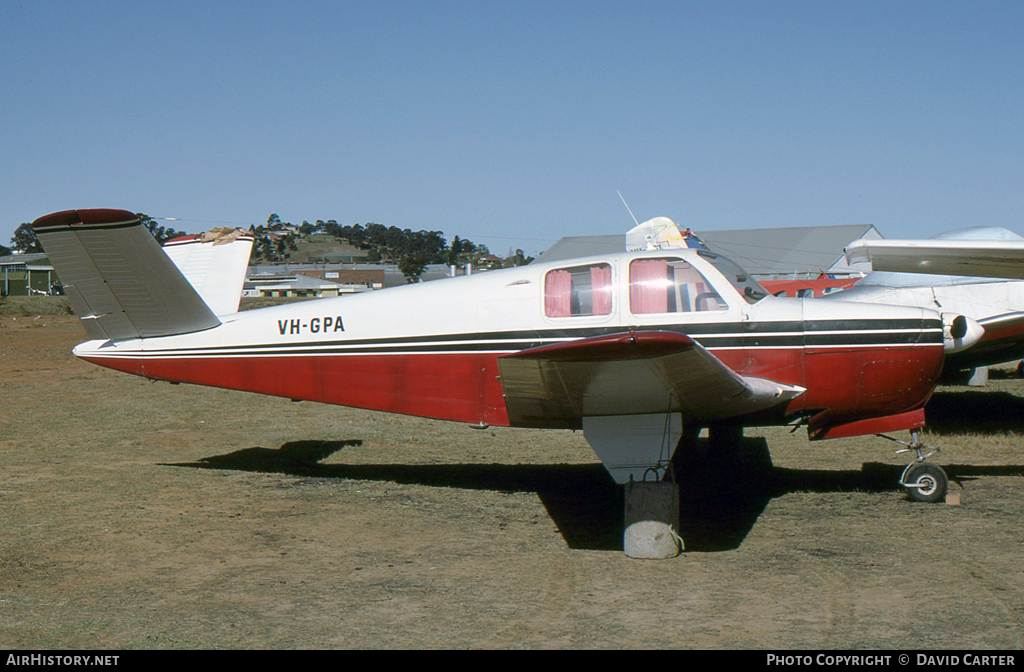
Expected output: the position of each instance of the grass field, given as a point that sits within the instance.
(146, 515)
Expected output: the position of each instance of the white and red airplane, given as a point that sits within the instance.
(629, 347)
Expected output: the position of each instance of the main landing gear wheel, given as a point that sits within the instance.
(925, 482)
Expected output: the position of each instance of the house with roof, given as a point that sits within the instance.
(27, 273)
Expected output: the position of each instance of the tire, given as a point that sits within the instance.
(933, 483)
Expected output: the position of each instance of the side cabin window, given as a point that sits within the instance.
(578, 291)
(670, 286)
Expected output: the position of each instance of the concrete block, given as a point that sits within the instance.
(651, 515)
(650, 540)
(979, 377)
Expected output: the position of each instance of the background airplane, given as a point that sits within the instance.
(214, 262)
(975, 272)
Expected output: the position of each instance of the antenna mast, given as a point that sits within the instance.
(627, 207)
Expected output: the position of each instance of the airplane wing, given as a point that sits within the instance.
(629, 373)
(120, 283)
(977, 258)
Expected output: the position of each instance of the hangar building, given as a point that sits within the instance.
(22, 274)
(767, 254)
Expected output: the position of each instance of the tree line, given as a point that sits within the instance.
(410, 250)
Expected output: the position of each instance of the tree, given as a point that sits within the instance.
(517, 259)
(4, 251)
(451, 256)
(412, 266)
(25, 240)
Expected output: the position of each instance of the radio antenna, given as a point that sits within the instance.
(627, 207)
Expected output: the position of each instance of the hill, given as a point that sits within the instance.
(320, 247)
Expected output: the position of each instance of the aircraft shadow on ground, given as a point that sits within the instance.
(720, 500)
(975, 411)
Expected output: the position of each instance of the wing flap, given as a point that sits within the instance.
(629, 373)
(120, 283)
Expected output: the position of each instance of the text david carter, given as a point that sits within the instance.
(882, 659)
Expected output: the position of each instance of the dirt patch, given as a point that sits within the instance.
(146, 515)
(30, 306)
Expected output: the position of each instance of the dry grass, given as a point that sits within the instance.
(28, 306)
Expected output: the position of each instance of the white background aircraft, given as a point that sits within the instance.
(975, 272)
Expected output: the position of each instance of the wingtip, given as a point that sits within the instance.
(87, 217)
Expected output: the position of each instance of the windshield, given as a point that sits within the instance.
(750, 289)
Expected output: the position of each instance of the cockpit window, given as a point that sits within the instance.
(750, 289)
(670, 286)
(578, 291)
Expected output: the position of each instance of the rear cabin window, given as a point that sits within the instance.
(670, 286)
(578, 291)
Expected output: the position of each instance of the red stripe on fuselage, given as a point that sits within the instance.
(463, 387)
(851, 383)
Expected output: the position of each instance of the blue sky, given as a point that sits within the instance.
(515, 123)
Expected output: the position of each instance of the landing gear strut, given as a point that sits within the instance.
(924, 481)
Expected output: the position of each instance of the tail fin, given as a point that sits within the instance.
(119, 281)
(214, 263)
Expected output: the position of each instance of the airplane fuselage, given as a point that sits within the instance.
(433, 349)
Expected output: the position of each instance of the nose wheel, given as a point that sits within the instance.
(923, 481)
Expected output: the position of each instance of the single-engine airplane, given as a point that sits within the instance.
(630, 347)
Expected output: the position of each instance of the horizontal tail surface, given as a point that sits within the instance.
(119, 281)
